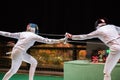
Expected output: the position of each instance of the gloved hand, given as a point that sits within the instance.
(68, 35)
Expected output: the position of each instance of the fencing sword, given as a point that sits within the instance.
(61, 35)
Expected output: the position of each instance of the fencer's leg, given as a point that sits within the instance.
(111, 61)
(33, 64)
(16, 62)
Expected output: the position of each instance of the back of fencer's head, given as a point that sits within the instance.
(32, 27)
(101, 22)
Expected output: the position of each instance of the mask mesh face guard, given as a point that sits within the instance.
(33, 27)
(101, 20)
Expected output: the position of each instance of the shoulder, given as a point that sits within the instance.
(110, 25)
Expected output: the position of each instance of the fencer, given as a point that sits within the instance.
(109, 34)
(26, 39)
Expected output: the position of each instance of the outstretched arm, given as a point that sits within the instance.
(8, 34)
(82, 36)
(50, 41)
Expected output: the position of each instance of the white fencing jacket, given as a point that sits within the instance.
(105, 33)
(27, 39)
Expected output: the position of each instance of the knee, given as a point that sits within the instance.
(115, 49)
(107, 74)
(34, 63)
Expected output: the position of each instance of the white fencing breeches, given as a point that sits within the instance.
(111, 61)
(18, 56)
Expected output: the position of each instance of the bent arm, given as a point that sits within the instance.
(118, 29)
(8, 34)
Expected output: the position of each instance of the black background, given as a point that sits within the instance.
(57, 16)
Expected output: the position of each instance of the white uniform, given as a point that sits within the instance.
(25, 41)
(109, 34)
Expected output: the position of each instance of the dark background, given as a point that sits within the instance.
(57, 16)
